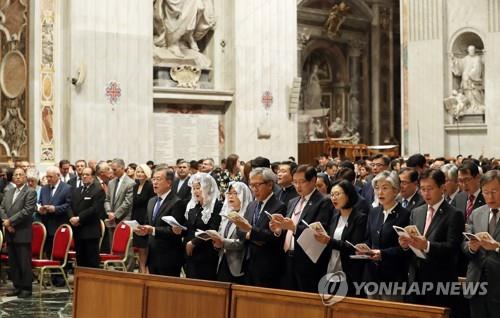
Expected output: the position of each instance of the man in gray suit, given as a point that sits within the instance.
(16, 210)
(484, 264)
(118, 203)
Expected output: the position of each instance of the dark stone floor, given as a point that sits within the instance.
(51, 303)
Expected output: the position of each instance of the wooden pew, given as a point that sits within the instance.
(105, 294)
(251, 302)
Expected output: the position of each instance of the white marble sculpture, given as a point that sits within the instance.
(178, 26)
(470, 69)
(312, 96)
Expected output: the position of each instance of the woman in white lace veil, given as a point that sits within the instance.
(202, 213)
(231, 248)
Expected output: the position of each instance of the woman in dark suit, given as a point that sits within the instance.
(388, 263)
(202, 213)
(347, 225)
(143, 191)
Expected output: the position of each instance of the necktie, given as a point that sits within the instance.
(51, 191)
(114, 192)
(226, 230)
(84, 188)
(78, 182)
(295, 218)
(256, 213)
(428, 219)
(156, 208)
(448, 199)
(493, 222)
(470, 206)
(405, 203)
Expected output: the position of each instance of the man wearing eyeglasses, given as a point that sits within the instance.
(310, 206)
(484, 256)
(16, 211)
(264, 255)
(379, 163)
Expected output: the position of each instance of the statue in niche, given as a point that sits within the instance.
(312, 96)
(335, 19)
(178, 26)
(469, 97)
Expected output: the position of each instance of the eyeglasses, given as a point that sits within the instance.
(378, 165)
(232, 194)
(256, 184)
(337, 194)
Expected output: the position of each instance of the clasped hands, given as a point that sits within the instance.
(44, 209)
(8, 226)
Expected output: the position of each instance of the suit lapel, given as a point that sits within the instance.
(419, 219)
(166, 205)
(485, 222)
(293, 203)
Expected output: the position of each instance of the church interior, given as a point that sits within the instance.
(325, 83)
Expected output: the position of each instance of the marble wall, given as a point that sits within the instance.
(112, 40)
(429, 30)
(262, 35)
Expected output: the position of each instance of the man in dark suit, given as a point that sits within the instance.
(362, 205)
(310, 206)
(76, 181)
(287, 191)
(441, 227)
(166, 251)
(16, 212)
(87, 205)
(264, 254)
(469, 180)
(410, 198)
(64, 166)
(379, 163)
(452, 193)
(54, 202)
(181, 187)
(484, 265)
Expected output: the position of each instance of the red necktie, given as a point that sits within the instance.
(470, 206)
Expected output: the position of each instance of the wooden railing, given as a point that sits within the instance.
(108, 294)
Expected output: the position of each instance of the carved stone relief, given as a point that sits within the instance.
(14, 80)
(47, 146)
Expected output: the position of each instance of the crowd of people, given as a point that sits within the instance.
(260, 209)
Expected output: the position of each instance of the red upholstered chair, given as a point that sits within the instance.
(57, 261)
(120, 247)
(39, 235)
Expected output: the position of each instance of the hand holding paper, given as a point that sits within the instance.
(173, 222)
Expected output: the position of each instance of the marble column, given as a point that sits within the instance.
(265, 50)
(355, 48)
(375, 75)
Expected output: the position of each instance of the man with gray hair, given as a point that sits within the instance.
(264, 254)
(53, 205)
(484, 255)
(118, 202)
(452, 193)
